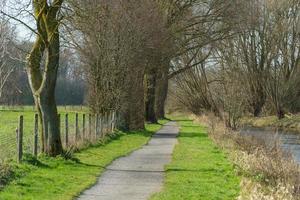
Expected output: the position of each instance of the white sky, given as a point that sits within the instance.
(21, 9)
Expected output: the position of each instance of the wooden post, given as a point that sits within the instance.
(113, 122)
(36, 135)
(106, 122)
(46, 133)
(96, 126)
(110, 121)
(101, 126)
(67, 130)
(20, 139)
(83, 126)
(59, 123)
(76, 127)
(90, 126)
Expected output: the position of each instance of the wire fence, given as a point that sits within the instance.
(19, 136)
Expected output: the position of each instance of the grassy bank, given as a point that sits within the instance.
(268, 170)
(199, 170)
(60, 179)
(289, 123)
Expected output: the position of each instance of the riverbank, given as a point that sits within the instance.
(291, 123)
(267, 170)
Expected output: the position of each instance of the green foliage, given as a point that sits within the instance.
(199, 169)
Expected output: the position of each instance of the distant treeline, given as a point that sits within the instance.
(70, 88)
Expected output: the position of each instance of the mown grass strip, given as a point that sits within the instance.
(199, 170)
(60, 179)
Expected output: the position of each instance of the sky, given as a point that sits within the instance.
(21, 9)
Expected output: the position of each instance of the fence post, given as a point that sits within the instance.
(107, 122)
(67, 129)
(20, 139)
(83, 126)
(47, 130)
(113, 122)
(96, 125)
(101, 126)
(76, 127)
(90, 126)
(110, 121)
(59, 123)
(36, 133)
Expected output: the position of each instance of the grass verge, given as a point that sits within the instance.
(60, 179)
(199, 170)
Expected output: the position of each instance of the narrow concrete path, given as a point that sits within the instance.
(138, 175)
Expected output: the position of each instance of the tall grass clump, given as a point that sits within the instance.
(6, 173)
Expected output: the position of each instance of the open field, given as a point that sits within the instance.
(9, 117)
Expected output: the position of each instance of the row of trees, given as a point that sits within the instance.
(126, 47)
(229, 57)
(255, 68)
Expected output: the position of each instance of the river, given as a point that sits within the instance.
(290, 140)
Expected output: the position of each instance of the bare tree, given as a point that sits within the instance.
(5, 70)
(116, 54)
(5, 35)
(283, 81)
(42, 66)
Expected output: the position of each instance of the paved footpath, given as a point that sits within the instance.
(138, 175)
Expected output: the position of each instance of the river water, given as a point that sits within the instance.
(290, 140)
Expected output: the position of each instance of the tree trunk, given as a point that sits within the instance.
(151, 79)
(280, 113)
(45, 100)
(137, 103)
(258, 96)
(257, 110)
(132, 109)
(42, 80)
(161, 100)
(162, 92)
(258, 102)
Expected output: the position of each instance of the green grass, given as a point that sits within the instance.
(199, 170)
(9, 122)
(59, 179)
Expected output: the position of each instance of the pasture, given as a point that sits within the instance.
(9, 119)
